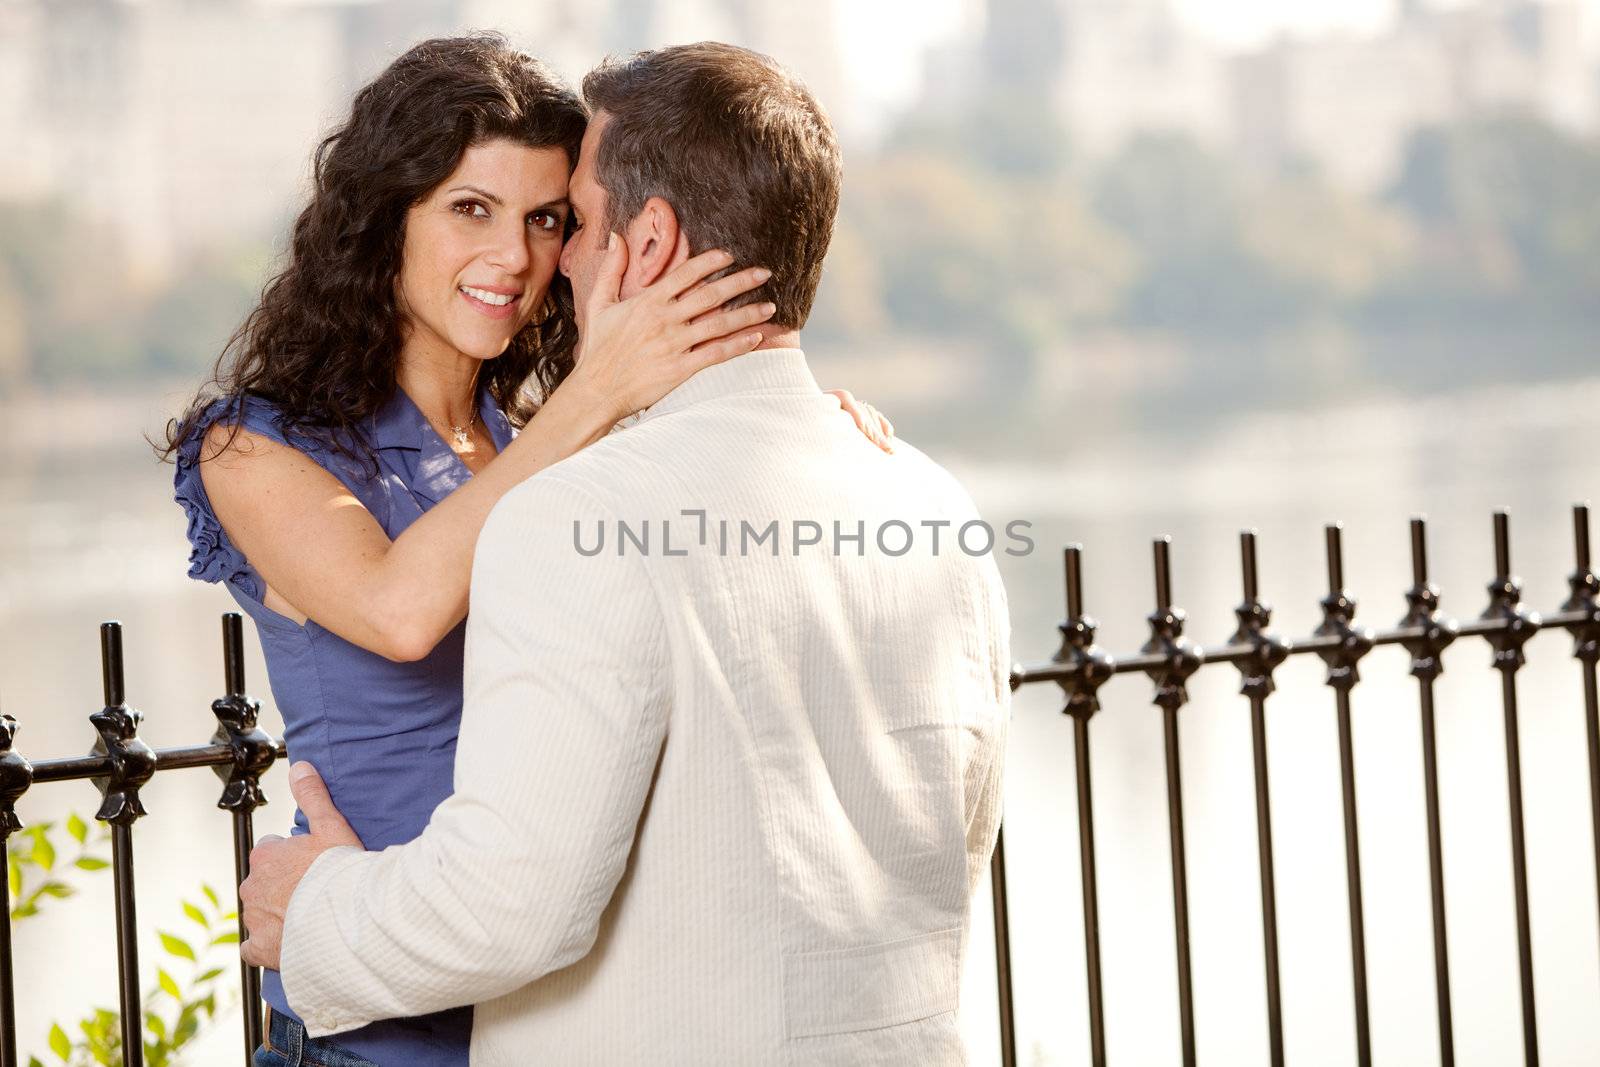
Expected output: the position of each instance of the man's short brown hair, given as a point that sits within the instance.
(739, 148)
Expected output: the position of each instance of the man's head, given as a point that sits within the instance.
(706, 146)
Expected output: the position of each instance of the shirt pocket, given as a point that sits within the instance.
(866, 987)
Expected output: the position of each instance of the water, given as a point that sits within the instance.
(90, 533)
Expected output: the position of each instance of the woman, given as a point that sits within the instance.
(365, 428)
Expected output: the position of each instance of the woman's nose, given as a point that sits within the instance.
(510, 253)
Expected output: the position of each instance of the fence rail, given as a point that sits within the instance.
(240, 752)
(1080, 667)
(119, 765)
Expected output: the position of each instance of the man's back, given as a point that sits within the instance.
(827, 792)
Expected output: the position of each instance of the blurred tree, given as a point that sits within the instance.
(1338, 248)
(849, 305)
(1184, 212)
(76, 301)
(1009, 265)
(14, 363)
(1166, 192)
(69, 312)
(1066, 264)
(1007, 133)
(184, 328)
(1510, 210)
(34, 238)
(938, 235)
(975, 228)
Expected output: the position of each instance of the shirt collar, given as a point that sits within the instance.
(495, 421)
(435, 470)
(767, 370)
(399, 423)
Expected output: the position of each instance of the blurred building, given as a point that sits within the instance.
(1347, 104)
(1106, 69)
(1342, 103)
(182, 125)
(175, 124)
(1130, 65)
(803, 37)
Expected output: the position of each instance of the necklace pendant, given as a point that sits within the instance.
(460, 433)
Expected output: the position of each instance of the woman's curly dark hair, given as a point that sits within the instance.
(323, 342)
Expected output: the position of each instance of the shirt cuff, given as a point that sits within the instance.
(304, 956)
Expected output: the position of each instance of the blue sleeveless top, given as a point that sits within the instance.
(382, 734)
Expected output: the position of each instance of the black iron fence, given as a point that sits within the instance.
(1081, 667)
(240, 752)
(119, 765)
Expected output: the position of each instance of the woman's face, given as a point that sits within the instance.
(481, 248)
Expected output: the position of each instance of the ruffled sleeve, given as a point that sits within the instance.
(212, 557)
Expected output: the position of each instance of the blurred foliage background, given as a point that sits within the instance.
(1164, 276)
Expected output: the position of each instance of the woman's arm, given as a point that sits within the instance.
(323, 556)
(510, 878)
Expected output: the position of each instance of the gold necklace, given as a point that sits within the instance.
(460, 432)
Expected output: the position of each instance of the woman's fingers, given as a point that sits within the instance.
(726, 322)
(713, 295)
(853, 407)
(608, 282)
(722, 350)
(867, 419)
(873, 428)
(885, 429)
(691, 271)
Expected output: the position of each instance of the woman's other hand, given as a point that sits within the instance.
(871, 421)
(633, 352)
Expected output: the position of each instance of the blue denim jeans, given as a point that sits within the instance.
(288, 1046)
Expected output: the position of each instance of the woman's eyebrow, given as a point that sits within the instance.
(486, 194)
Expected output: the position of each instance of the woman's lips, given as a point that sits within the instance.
(503, 311)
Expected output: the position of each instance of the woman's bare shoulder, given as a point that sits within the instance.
(237, 461)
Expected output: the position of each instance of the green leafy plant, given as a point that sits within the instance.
(33, 861)
(186, 994)
(175, 1012)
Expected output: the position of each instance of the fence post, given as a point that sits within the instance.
(1517, 626)
(1354, 642)
(1178, 660)
(16, 775)
(1585, 599)
(253, 752)
(1090, 669)
(1002, 950)
(1434, 635)
(1267, 652)
(132, 764)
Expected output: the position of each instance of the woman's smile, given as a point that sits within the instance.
(492, 303)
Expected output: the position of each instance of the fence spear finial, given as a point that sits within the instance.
(1091, 666)
(132, 761)
(1179, 656)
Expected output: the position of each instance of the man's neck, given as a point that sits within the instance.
(778, 337)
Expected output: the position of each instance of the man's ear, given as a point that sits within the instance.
(655, 245)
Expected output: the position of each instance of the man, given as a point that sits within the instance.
(729, 765)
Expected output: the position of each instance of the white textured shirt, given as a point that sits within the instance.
(725, 786)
